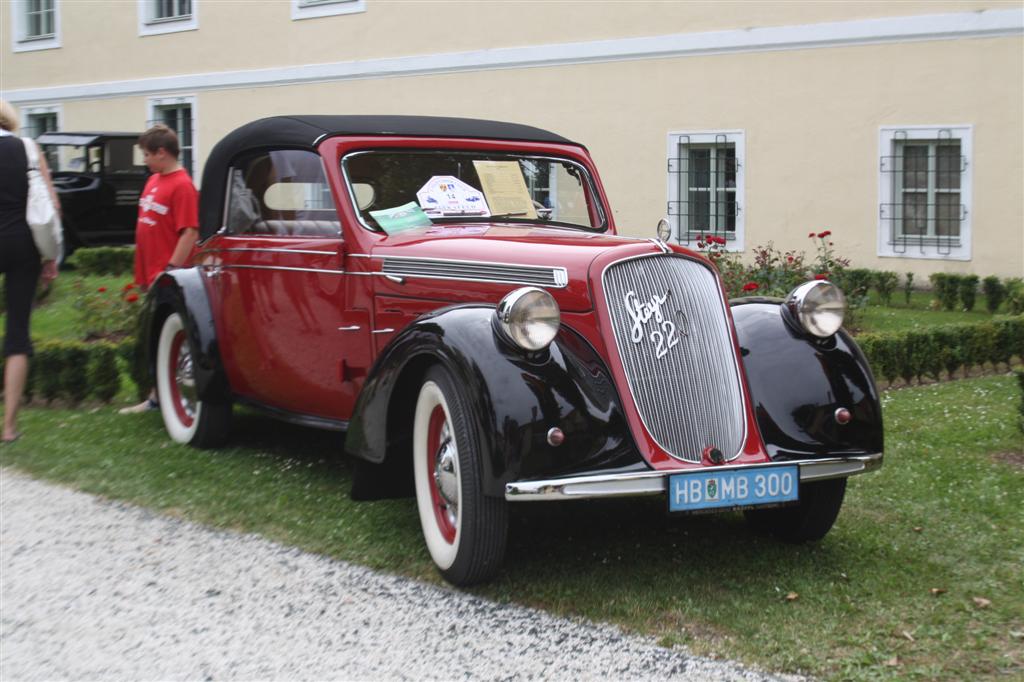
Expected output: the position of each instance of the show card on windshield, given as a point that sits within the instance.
(446, 195)
(505, 189)
(401, 218)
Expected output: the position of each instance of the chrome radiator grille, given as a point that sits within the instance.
(677, 353)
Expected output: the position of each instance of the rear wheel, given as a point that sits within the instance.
(465, 530)
(807, 521)
(187, 419)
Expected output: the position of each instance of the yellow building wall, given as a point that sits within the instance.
(100, 40)
(811, 117)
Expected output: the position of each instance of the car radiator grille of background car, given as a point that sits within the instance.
(676, 348)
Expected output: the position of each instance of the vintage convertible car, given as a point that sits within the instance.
(98, 177)
(453, 295)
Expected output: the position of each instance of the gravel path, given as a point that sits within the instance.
(91, 589)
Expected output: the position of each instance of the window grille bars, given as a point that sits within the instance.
(706, 188)
(925, 179)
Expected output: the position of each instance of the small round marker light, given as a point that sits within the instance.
(664, 230)
(843, 416)
(555, 436)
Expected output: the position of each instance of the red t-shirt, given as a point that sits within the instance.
(168, 204)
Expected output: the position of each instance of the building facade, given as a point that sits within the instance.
(897, 126)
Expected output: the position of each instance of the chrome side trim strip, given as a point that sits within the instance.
(282, 267)
(655, 482)
(551, 277)
(270, 249)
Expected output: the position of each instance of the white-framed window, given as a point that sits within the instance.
(167, 16)
(41, 118)
(706, 185)
(35, 24)
(311, 9)
(924, 191)
(179, 114)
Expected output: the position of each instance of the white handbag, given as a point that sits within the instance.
(40, 212)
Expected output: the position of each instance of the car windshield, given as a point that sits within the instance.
(396, 190)
(116, 156)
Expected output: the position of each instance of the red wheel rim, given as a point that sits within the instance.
(434, 428)
(177, 400)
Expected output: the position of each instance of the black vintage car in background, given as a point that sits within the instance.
(99, 177)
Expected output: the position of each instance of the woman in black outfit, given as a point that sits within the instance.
(19, 263)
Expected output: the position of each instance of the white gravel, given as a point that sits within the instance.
(98, 590)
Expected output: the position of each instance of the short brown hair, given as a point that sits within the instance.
(160, 137)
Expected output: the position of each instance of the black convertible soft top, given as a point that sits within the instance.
(306, 132)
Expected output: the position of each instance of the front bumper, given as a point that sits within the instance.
(655, 482)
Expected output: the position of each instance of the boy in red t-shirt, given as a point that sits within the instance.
(168, 222)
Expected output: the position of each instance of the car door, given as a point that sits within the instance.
(280, 289)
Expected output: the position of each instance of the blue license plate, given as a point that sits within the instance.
(731, 488)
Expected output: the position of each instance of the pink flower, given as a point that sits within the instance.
(751, 286)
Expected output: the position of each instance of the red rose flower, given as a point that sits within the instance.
(102, 290)
(789, 259)
(822, 235)
(132, 298)
(821, 275)
(129, 286)
(750, 286)
(812, 235)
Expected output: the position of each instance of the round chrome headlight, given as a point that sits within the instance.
(529, 317)
(819, 306)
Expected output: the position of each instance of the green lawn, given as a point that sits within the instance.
(899, 316)
(944, 513)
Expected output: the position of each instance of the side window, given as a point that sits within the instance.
(281, 193)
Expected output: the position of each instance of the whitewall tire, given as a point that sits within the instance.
(187, 419)
(465, 531)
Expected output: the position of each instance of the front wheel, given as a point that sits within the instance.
(187, 419)
(465, 530)
(807, 521)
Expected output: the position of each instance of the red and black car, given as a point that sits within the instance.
(453, 295)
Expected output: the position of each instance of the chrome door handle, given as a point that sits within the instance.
(353, 328)
(382, 331)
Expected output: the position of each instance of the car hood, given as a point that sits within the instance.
(486, 261)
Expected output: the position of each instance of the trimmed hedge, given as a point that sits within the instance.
(75, 371)
(927, 353)
(104, 260)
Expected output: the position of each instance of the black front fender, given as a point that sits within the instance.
(797, 383)
(516, 398)
(182, 291)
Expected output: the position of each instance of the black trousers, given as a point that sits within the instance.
(20, 265)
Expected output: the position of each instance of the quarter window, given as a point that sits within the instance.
(281, 193)
(925, 193)
(705, 190)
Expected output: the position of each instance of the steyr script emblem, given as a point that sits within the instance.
(665, 334)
